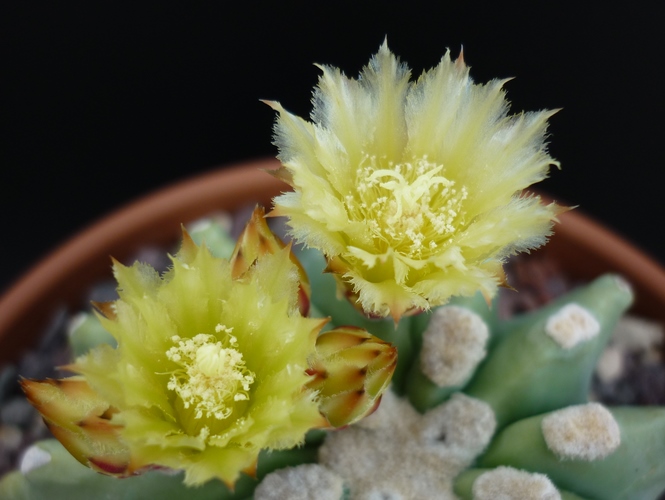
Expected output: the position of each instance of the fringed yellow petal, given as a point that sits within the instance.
(210, 366)
(413, 185)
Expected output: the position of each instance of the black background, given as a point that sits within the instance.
(103, 102)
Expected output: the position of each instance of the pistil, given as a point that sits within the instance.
(410, 207)
(212, 375)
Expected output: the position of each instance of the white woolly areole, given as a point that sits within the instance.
(453, 344)
(571, 325)
(302, 482)
(379, 495)
(465, 424)
(506, 483)
(397, 453)
(583, 432)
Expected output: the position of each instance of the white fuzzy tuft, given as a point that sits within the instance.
(571, 325)
(464, 425)
(506, 483)
(453, 344)
(303, 482)
(396, 453)
(379, 494)
(583, 432)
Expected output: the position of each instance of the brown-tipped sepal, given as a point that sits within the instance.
(82, 422)
(283, 174)
(106, 309)
(351, 370)
(257, 240)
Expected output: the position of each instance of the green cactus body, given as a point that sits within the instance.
(85, 332)
(214, 232)
(537, 362)
(483, 433)
(635, 469)
(528, 372)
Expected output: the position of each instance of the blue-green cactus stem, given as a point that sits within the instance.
(632, 471)
(61, 477)
(324, 299)
(423, 393)
(315, 437)
(529, 372)
(314, 312)
(85, 332)
(214, 233)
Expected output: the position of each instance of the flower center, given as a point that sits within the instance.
(409, 207)
(212, 375)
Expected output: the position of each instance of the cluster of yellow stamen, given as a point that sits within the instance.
(212, 374)
(409, 207)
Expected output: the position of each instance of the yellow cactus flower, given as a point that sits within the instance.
(209, 369)
(214, 362)
(413, 189)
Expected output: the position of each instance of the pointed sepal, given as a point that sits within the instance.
(256, 240)
(82, 422)
(106, 309)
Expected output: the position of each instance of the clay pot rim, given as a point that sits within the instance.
(156, 218)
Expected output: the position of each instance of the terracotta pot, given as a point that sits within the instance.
(580, 246)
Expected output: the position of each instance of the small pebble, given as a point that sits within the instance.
(37, 365)
(37, 429)
(17, 412)
(11, 440)
(8, 384)
(33, 458)
(10, 437)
